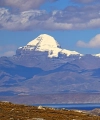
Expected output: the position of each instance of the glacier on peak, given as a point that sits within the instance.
(96, 55)
(44, 41)
(47, 43)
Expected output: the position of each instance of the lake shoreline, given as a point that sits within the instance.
(82, 106)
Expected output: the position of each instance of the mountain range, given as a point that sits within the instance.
(43, 67)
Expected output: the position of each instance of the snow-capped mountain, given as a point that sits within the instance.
(96, 55)
(42, 63)
(46, 43)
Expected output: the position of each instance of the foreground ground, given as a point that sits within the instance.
(9, 111)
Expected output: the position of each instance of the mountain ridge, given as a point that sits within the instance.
(32, 71)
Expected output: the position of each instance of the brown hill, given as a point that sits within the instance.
(9, 111)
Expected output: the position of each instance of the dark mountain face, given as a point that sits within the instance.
(66, 78)
(21, 71)
(41, 60)
(9, 67)
(88, 62)
(96, 73)
(12, 75)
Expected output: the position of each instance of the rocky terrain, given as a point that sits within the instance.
(9, 111)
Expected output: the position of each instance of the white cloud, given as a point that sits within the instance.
(23, 21)
(93, 43)
(7, 47)
(72, 18)
(8, 53)
(22, 5)
(7, 50)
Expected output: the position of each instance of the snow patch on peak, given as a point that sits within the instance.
(68, 52)
(96, 55)
(44, 41)
(47, 43)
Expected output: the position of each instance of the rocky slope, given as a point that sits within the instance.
(9, 111)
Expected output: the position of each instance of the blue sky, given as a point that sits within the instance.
(75, 24)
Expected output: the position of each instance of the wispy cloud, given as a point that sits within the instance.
(85, 1)
(8, 53)
(93, 43)
(7, 50)
(22, 5)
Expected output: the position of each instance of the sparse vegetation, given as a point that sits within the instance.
(9, 111)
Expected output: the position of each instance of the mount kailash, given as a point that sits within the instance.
(42, 66)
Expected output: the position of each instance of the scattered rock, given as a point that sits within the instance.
(40, 107)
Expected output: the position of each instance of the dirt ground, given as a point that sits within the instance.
(9, 111)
